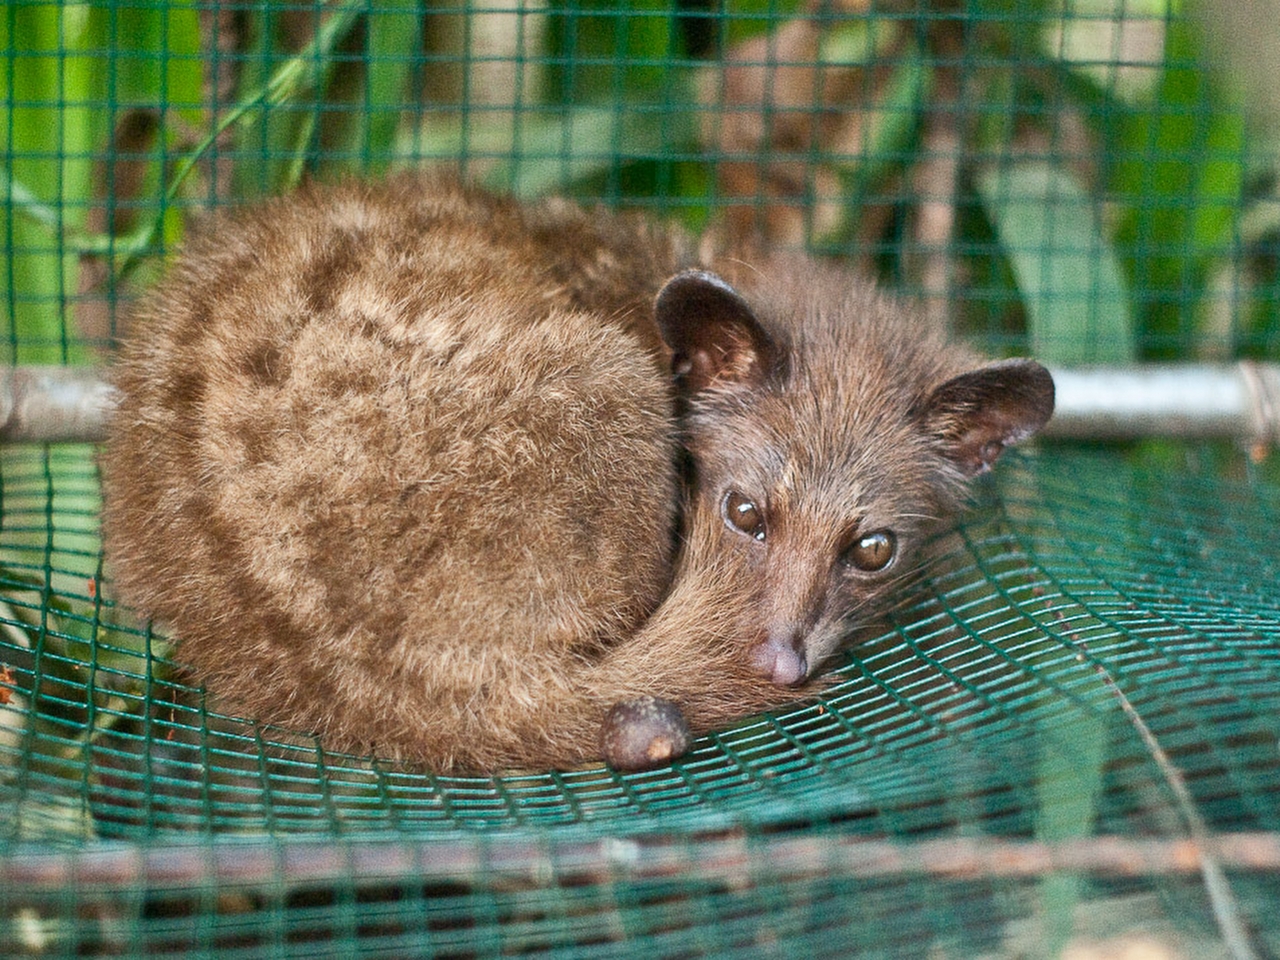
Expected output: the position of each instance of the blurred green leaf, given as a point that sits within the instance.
(53, 120)
(605, 53)
(24, 201)
(272, 127)
(159, 66)
(1114, 44)
(263, 133)
(157, 61)
(50, 123)
(1069, 784)
(1177, 169)
(744, 19)
(394, 35)
(546, 151)
(1069, 278)
(304, 71)
(852, 43)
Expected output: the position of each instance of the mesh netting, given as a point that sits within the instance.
(1068, 731)
(1016, 698)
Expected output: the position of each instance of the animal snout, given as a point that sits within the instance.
(782, 660)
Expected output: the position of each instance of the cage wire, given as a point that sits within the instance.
(1065, 738)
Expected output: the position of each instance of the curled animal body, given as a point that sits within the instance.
(441, 476)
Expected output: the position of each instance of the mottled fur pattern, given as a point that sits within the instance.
(403, 465)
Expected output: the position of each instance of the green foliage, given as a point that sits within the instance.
(1072, 289)
(1179, 161)
(393, 35)
(743, 19)
(606, 52)
(49, 127)
(1161, 169)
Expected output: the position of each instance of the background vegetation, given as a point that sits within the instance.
(1073, 177)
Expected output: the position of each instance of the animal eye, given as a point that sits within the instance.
(743, 515)
(871, 552)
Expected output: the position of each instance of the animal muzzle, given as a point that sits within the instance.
(781, 658)
(793, 604)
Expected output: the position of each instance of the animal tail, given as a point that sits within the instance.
(694, 651)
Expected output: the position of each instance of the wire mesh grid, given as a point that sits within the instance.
(991, 709)
(1063, 735)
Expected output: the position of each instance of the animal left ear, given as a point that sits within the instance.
(713, 333)
(977, 414)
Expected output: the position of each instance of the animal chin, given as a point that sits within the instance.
(780, 662)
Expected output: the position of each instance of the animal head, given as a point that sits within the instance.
(829, 432)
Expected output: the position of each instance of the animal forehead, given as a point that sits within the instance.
(812, 429)
(831, 418)
(844, 469)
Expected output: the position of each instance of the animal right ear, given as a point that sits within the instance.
(712, 332)
(976, 415)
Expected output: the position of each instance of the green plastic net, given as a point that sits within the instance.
(1065, 739)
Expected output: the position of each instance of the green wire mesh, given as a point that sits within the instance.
(1022, 632)
(1066, 734)
(994, 708)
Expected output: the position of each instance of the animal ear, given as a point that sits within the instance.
(977, 414)
(712, 332)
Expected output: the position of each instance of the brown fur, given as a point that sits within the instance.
(399, 465)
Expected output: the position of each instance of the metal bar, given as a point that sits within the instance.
(1184, 400)
(1193, 401)
(734, 858)
(53, 404)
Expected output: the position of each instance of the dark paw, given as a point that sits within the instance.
(643, 733)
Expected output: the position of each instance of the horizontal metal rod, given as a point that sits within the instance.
(1239, 401)
(54, 404)
(734, 859)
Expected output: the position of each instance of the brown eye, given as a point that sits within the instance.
(743, 515)
(872, 552)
